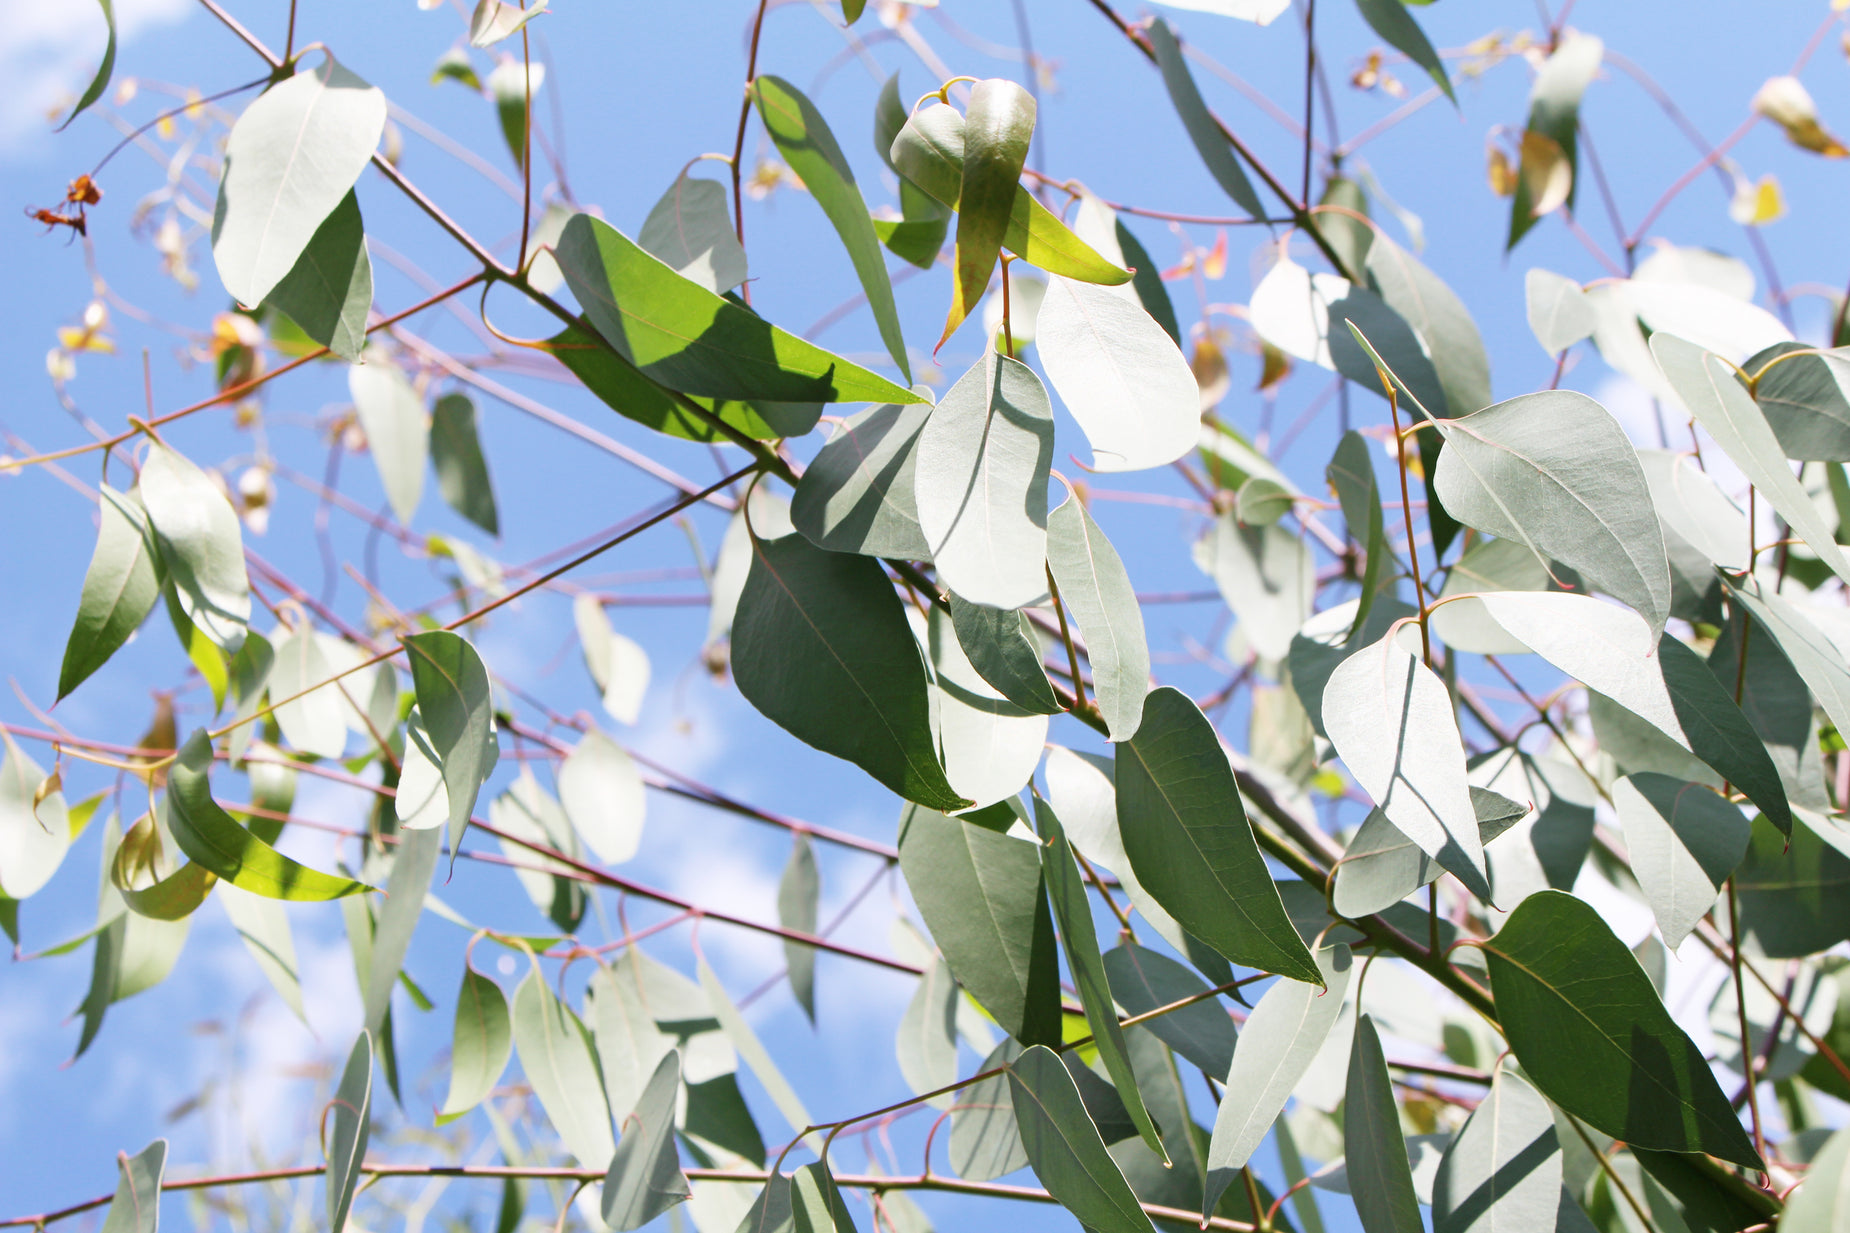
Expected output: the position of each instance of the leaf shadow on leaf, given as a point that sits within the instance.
(1499, 1184)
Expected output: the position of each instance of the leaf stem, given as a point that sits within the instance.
(1406, 509)
(738, 141)
(1080, 705)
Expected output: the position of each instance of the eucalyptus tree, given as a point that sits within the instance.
(1528, 705)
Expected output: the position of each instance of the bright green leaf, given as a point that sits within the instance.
(201, 546)
(98, 83)
(119, 588)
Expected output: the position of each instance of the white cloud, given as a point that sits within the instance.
(51, 51)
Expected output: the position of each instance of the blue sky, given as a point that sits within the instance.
(645, 88)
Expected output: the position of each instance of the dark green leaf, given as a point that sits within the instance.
(329, 290)
(1795, 897)
(457, 706)
(510, 87)
(686, 337)
(1142, 980)
(462, 471)
(821, 646)
(644, 1179)
(1590, 1032)
(480, 1046)
(349, 1124)
(1374, 1153)
(1203, 129)
(1098, 594)
(207, 834)
(1187, 837)
(858, 494)
(799, 893)
(119, 588)
(1079, 939)
(804, 139)
(1805, 399)
(137, 1205)
(1391, 21)
(1002, 647)
(1064, 1147)
(98, 83)
(1348, 234)
(1684, 840)
(998, 125)
(981, 896)
(717, 1114)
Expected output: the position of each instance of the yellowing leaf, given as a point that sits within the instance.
(1546, 173)
(1786, 102)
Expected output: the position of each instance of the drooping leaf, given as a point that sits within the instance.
(1382, 866)
(349, 1125)
(858, 494)
(397, 432)
(1203, 130)
(926, 1044)
(802, 136)
(618, 665)
(34, 833)
(1002, 649)
(201, 547)
(998, 125)
(1352, 473)
(1591, 1033)
(209, 836)
(482, 1042)
(990, 745)
(1610, 650)
(1267, 576)
(329, 289)
(799, 895)
(496, 20)
(291, 159)
(690, 231)
(1503, 1171)
(756, 1056)
(1390, 19)
(1120, 374)
(1079, 940)
(136, 1207)
(1374, 1153)
(263, 924)
(1708, 387)
(99, 82)
(555, 1054)
(644, 1179)
(398, 917)
(1103, 604)
(462, 471)
(308, 704)
(929, 152)
(1349, 235)
(510, 86)
(1391, 720)
(456, 704)
(119, 587)
(982, 897)
(1187, 837)
(1554, 114)
(821, 646)
(1441, 320)
(1559, 314)
(1064, 1147)
(1143, 980)
(1282, 1038)
(602, 792)
(681, 334)
(983, 461)
(1553, 470)
(984, 1143)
